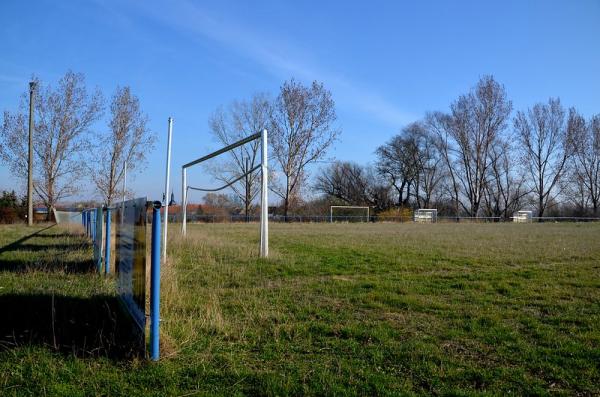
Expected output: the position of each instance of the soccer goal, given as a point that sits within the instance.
(264, 201)
(348, 213)
(425, 215)
(523, 217)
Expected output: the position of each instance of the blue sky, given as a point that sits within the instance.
(386, 62)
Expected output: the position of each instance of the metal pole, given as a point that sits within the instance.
(155, 284)
(30, 161)
(247, 192)
(124, 182)
(167, 188)
(183, 201)
(264, 200)
(107, 243)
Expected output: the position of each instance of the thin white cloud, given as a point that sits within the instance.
(277, 57)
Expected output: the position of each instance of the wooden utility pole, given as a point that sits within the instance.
(30, 162)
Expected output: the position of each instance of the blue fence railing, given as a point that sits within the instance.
(98, 227)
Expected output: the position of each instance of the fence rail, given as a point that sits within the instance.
(209, 218)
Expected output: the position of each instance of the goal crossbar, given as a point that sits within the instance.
(223, 150)
(264, 201)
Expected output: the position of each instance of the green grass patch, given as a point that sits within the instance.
(342, 309)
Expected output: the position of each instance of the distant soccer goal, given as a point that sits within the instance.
(264, 201)
(348, 213)
(425, 215)
(523, 217)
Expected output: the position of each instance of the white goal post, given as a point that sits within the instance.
(425, 215)
(264, 200)
(523, 217)
(347, 207)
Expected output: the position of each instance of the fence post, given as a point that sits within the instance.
(88, 219)
(93, 231)
(107, 243)
(155, 283)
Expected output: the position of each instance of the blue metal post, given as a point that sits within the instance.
(88, 220)
(107, 244)
(155, 283)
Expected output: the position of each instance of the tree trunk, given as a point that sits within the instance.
(541, 208)
(286, 205)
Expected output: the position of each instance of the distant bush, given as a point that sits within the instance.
(11, 209)
(402, 214)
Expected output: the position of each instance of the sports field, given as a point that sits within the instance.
(342, 309)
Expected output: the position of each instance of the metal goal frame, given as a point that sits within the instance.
(264, 200)
(350, 207)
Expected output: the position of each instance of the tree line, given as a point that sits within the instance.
(478, 159)
(69, 146)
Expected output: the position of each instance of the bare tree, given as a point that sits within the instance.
(430, 168)
(412, 164)
(436, 124)
(397, 161)
(505, 189)
(301, 133)
(63, 117)
(466, 136)
(229, 125)
(231, 203)
(353, 184)
(128, 140)
(586, 160)
(545, 133)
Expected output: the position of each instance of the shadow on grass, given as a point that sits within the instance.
(48, 255)
(47, 265)
(57, 235)
(15, 244)
(84, 327)
(93, 326)
(49, 246)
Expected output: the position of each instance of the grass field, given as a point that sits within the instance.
(343, 309)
